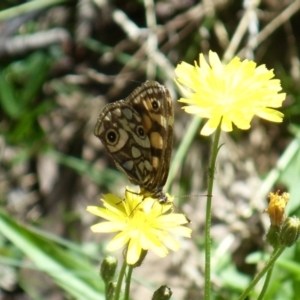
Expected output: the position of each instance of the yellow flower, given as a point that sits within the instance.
(276, 208)
(141, 223)
(231, 93)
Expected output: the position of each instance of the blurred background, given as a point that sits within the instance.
(60, 63)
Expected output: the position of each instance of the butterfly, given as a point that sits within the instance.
(138, 134)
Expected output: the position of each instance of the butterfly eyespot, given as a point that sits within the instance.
(140, 131)
(111, 136)
(155, 105)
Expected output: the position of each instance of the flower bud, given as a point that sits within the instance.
(276, 208)
(108, 269)
(273, 236)
(290, 232)
(163, 293)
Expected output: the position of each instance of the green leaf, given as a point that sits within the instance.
(71, 272)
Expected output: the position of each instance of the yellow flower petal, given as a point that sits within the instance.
(210, 126)
(108, 227)
(119, 241)
(155, 244)
(134, 251)
(271, 115)
(171, 242)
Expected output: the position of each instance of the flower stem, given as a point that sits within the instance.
(128, 281)
(211, 172)
(266, 284)
(120, 280)
(266, 268)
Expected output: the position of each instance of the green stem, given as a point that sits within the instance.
(211, 172)
(266, 284)
(266, 268)
(128, 281)
(120, 280)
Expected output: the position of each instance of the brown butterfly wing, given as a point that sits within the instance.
(153, 103)
(138, 134)
(120, 129)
